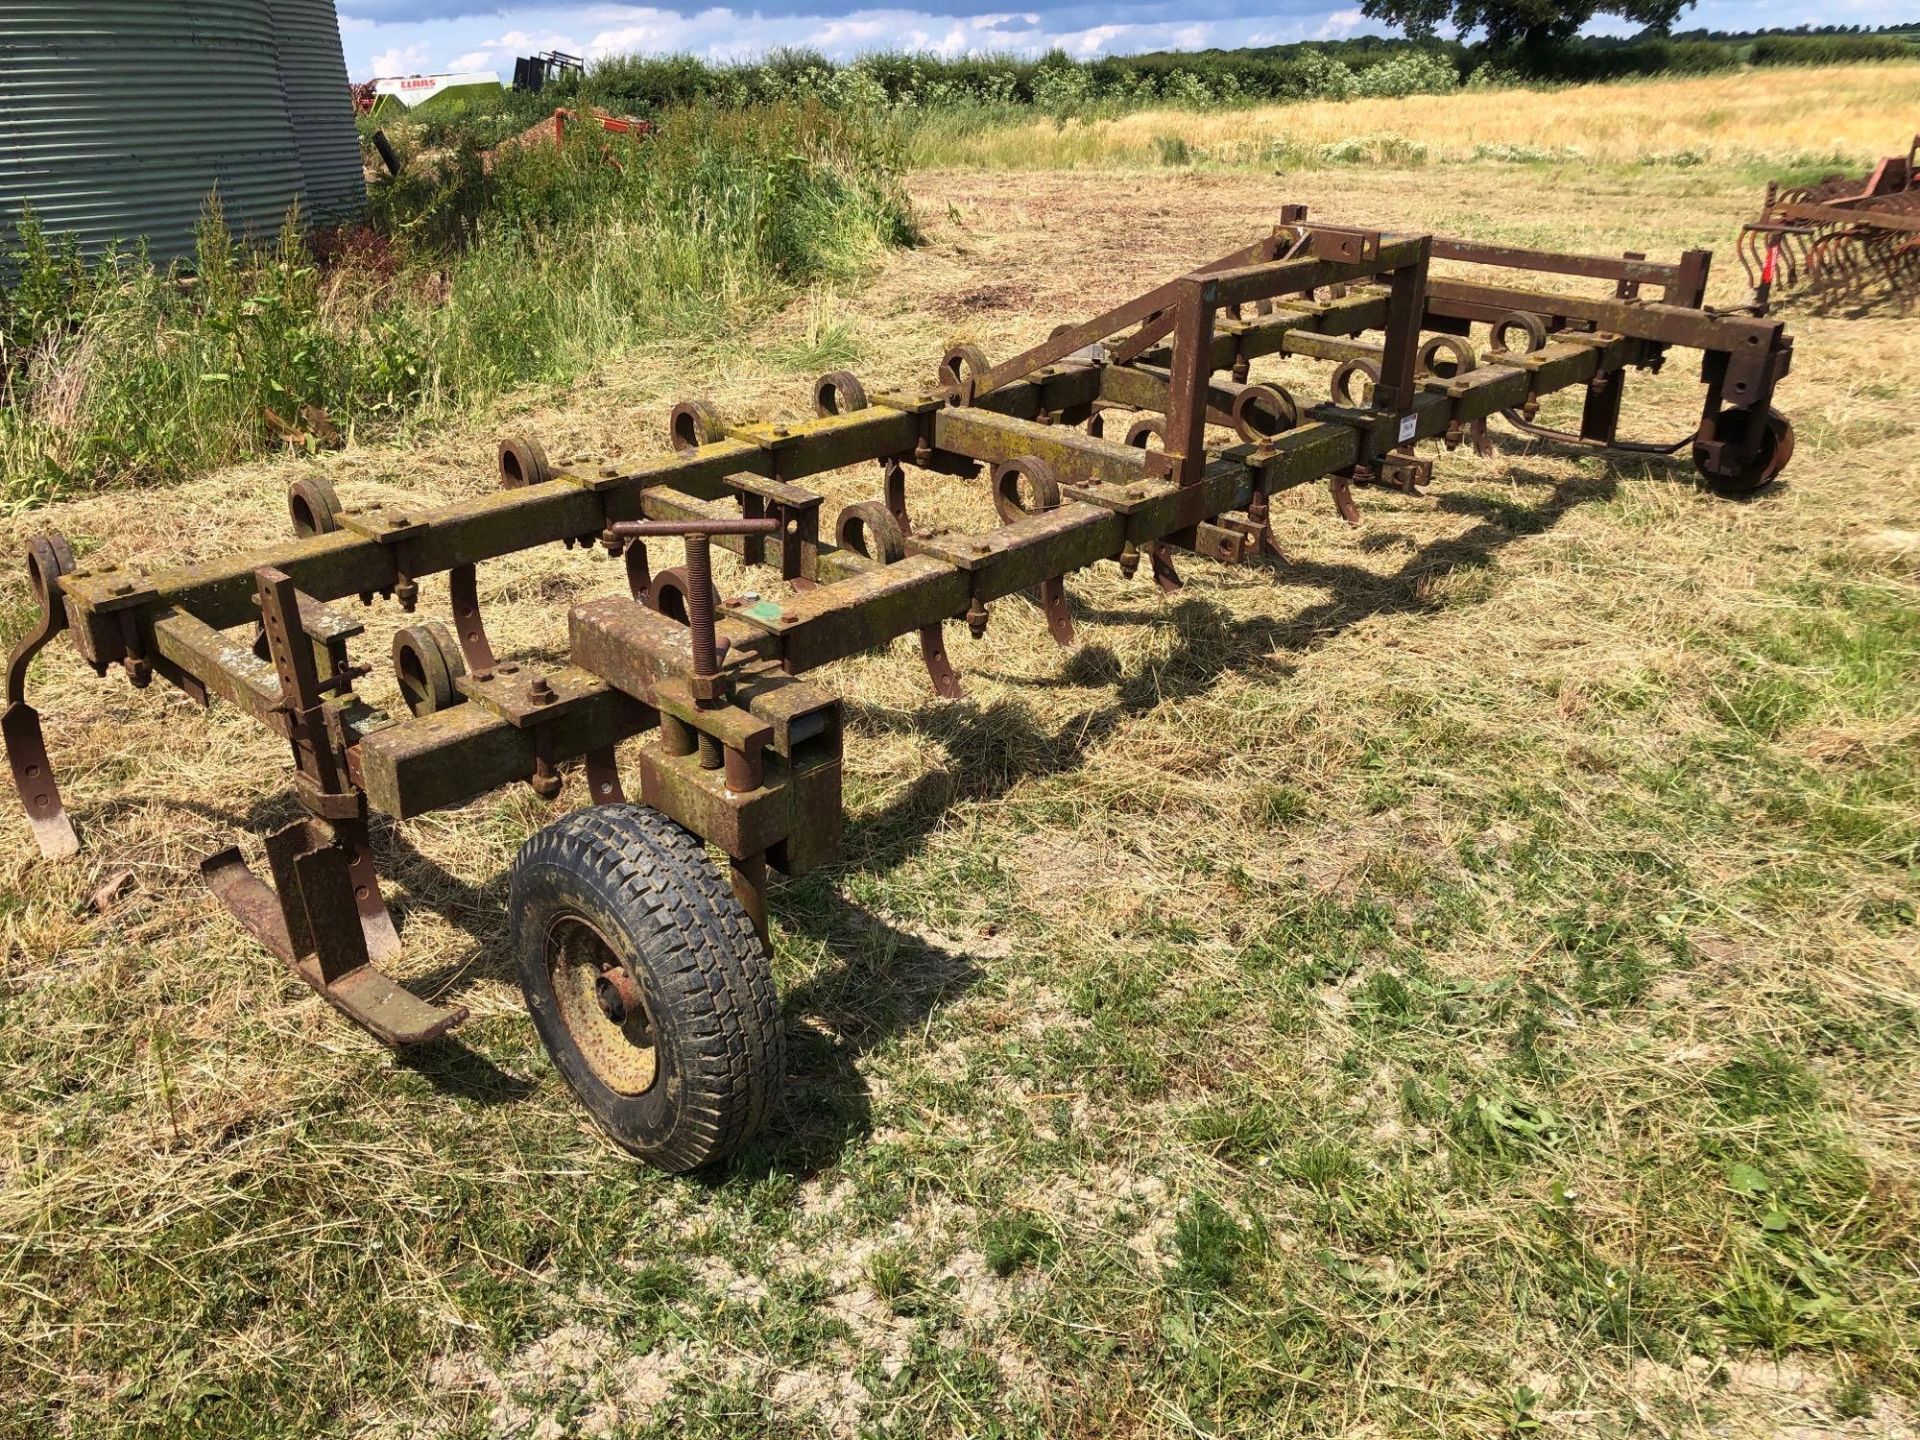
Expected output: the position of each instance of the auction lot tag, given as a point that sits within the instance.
(1408, 424)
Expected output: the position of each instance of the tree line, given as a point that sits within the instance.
(1060, 84)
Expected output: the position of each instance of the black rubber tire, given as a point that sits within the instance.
(649, 891)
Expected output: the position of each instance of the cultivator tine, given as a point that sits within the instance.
(603, 777)
(469, 626)
(376, 921)
(1160, 557)
(49, 559)
(933, 651)
(639, 573)
(1051, 597)
(53, 830)
(1341, 488)
(1259, 529)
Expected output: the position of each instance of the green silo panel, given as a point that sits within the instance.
(118, 118)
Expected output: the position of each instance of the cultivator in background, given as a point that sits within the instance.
(1842, 239)
(1139, 437)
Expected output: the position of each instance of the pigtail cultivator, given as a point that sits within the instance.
(1140, 437)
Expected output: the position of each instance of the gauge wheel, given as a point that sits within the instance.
(1776, 449)
(647, 983)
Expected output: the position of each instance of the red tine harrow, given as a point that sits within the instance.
(1843, 239)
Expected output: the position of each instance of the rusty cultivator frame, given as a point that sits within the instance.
(645, 968)
(1842, 236)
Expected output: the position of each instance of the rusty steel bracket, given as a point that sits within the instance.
(309, 919)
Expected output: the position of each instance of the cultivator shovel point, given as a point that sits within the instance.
(1137, 435)
(1842, 239)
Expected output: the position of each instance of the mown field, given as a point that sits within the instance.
(1815, 119)
(1461, 980)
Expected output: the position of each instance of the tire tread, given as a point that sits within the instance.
(711, 971)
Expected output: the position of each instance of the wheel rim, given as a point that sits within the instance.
(602, 1008)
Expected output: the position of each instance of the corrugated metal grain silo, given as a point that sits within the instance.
(313, 73)
(119, 117)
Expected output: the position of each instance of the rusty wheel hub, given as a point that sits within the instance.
(601, 1006)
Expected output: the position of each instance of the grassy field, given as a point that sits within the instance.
(477, 274)
(1459, 981)
(1820, 117)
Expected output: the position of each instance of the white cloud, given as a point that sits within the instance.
(1090, 42)
(401, 60)
(522, 42)
(1340, 24)
(472, 60)
(953, 43)
(842, 33)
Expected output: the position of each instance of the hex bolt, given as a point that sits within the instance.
(700, 604)
(540, 691)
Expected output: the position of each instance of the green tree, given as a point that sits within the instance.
(1522, 25)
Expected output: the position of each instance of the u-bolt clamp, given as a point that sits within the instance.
(709, 687)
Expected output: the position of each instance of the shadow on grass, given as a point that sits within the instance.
(996, 747)
(880, 981)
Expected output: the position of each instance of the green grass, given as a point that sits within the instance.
(475, 280)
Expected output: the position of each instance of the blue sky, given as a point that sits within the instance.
(394, 37)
